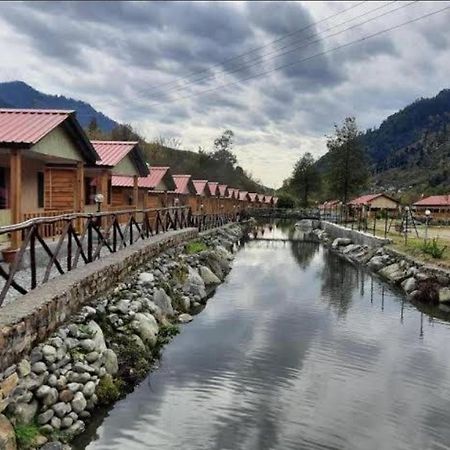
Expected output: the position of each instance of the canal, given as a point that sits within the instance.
(298, 349)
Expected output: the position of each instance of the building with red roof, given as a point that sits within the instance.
(438, 205)
(44, 154)
(374, 202)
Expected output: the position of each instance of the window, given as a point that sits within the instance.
(40, 189)
(4, 203)
(90, 189)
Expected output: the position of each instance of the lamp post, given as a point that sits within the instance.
(427, 219)
(98, 199)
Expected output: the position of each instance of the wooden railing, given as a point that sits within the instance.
(48, 229)
(85, 236)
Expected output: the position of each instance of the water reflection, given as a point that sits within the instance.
(297, 350)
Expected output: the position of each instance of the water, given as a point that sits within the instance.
(297, 350)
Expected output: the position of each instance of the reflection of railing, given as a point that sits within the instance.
(48, 229)
(84, 236)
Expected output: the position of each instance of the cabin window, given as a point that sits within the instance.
(3, 189)
(90, 189)
(40, 189)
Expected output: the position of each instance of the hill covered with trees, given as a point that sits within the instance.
(218, 164)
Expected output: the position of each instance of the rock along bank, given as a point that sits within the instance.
(420, 282)
(47, 398)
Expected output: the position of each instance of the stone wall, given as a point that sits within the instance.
(357, 237)
(113, 335)
(32, 317)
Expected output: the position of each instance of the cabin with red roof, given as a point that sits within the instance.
(199, 203)
(184, 190)
(42, 161)
(374, 202)
(115, 175)
(438, 205)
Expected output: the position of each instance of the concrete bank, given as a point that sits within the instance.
(420, 282)
(114, 322)
(358, 237)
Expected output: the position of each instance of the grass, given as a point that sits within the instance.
(193, 247)
(26, 435)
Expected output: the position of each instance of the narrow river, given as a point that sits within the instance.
(296, 350)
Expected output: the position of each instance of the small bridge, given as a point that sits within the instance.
(283, 213)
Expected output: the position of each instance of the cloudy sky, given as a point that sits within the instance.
(191, 70)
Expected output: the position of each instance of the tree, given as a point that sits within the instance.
(305, 178)
(222, 149)
(285, 201)
(348, 172)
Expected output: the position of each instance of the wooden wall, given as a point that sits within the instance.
(60, 188)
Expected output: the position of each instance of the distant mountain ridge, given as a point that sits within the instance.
(410, 150)
(17, 94)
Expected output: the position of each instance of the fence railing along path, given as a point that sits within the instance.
(85, 236)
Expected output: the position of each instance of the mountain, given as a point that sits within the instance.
(410, 150)
(17, 94)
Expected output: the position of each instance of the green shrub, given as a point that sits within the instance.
(432, 248)
(109, 389)
(195, 247)
(26, 434)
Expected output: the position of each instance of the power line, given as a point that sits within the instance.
(298, 47)
(325, 52)
(226, 61)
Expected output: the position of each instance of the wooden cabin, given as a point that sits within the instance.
(254, 200)
(226, 204)
(233, 196)
(244, 199)
(185, 189)
(160, 187)
(199, 202)
(43, 154)
(213, 203)
(372, 203)
(438, 205)
(268, 201)
(275, 201)
(115, 176)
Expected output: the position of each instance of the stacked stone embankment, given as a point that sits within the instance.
(419, 281)
(47, 398)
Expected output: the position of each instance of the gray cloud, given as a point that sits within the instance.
(131, 60)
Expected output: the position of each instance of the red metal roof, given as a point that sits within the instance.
(366, 199)
(243, 195)
(275, 200)
(202, 188)
(152, 181)
(158, 175)
(112, 152)
(268, 199)
(434, 200)
(213, 188)
(122, 181)
(253, 197)
(28, 126)
(184, 184)
(223, 190)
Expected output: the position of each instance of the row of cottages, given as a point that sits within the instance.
(48, 167)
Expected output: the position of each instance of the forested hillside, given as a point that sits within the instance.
(219, 166)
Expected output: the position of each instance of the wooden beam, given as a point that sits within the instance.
(135, 191)
(16, 195)
(79, 193)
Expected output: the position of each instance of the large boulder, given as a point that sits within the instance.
(110, 362)
(394, 273)
(163, 301)
(146, 327)
(97, 336)
(194, 283)
(208, 276)
(377, 263)
(409, 285)
(7, 434)
(25, 412)
(444, 295)
(341, 242)
(146, 279)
